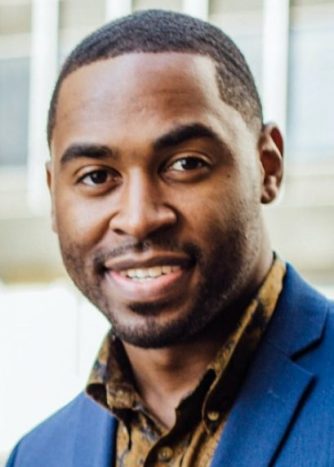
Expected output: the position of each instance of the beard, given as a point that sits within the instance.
(224, 268)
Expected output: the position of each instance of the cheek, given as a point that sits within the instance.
(79, 221)
(212, 208)
(223, 220)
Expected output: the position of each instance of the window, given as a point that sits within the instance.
(14, 98)
(15, 17)
(15, 24)
(311, 78)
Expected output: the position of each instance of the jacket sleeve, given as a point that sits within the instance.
(11, 462)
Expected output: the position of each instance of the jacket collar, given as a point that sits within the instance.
(300, 316)
(275, 383)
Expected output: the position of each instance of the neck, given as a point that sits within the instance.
(166, 376)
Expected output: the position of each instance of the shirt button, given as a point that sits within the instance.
(165, 454)
(213, 416)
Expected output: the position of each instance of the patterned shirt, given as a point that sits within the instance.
(201, 416)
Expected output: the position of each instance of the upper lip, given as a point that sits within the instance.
(137, 261)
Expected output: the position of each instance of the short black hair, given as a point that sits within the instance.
(165, 31)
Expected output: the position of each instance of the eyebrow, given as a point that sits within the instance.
(92, 151)
(175, 137)
(184, 133)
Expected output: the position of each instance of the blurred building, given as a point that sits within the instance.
(290, 48)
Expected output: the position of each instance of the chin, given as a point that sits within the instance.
(158, 325)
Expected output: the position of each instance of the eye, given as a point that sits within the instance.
(188, 168)
(99, 178)
(187, 163)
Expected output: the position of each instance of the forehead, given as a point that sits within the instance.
(133, 94)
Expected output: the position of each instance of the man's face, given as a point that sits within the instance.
(156, 187)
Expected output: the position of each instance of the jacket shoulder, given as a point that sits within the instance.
(54, 441)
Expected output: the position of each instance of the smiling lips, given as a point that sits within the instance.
(154, 278)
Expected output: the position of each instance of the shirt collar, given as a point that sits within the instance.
(111, 383)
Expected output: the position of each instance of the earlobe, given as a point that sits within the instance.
(48, 170)
(271, 156)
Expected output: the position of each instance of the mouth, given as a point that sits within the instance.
(150, 273)
(148, 279)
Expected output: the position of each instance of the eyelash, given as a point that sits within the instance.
(105, 172)
(197, 164)
(198, 161)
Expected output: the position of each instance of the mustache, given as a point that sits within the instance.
(189, 249)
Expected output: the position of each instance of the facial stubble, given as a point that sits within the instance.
(222, 271)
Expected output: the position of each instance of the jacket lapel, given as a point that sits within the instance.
(275, 384)
(261, 414)
(95, 441)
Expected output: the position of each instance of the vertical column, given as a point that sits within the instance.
(275, 60)
(197, 8)
(43, 71)
(117, 8)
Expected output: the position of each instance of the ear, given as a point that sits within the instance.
(48, 169)
(271, 157)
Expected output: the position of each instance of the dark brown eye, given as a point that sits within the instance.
(187, 163)
(96, 177)
(99, 177)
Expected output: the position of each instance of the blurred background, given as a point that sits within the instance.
(49, 334)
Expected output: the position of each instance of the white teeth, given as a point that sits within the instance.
(167, 269)
(141, 273)
(148, 273)
(131, 273)
(155, 271)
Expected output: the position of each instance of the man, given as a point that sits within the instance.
(219, 354)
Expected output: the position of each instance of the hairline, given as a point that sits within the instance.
(255, 124)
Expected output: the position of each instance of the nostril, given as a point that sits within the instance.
(119, 231)
(141, 223)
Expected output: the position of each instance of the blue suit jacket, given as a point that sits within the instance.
(282, 416)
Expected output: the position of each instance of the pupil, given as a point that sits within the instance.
(190, 163)
(99, 177)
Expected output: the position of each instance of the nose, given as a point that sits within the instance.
(141, 209)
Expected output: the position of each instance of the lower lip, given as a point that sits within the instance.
(148, 290)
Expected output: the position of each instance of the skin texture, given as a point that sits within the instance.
(150, 167)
